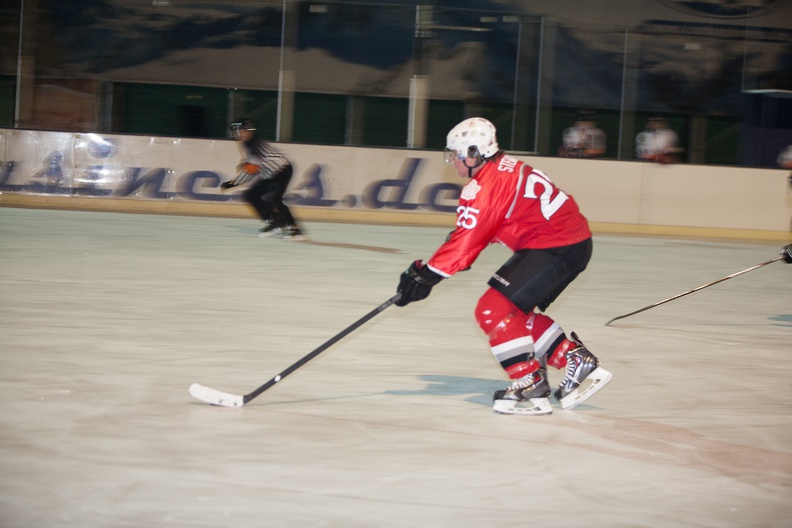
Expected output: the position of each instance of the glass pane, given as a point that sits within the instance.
(341, 72)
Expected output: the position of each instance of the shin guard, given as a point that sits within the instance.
(506, 327)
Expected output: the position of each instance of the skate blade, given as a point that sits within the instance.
(538, 406)
(594, 382)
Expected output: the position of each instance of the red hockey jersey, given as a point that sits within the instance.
(510, 203)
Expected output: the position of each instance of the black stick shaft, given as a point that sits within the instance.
(727, 277)
(327, 344)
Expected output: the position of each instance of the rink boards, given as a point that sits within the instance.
(402, 186)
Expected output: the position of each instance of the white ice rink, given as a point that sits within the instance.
(106, 319)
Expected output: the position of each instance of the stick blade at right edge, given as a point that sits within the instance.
(215, 397)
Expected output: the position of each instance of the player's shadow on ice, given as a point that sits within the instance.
(480, 390)
(783, 320)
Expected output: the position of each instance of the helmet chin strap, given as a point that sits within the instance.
(479, 162)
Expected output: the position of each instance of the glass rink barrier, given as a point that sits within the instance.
(400, 74)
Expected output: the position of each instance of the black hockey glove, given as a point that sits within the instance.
(786, 252)
(415, 284)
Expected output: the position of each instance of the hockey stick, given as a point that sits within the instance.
(727, 277)
(225, 399)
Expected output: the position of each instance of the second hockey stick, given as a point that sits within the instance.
(727, 277)
(225, 399)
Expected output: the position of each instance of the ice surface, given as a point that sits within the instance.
(107, 319)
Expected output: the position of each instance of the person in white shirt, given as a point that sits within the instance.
(583, 140)
(658, 143)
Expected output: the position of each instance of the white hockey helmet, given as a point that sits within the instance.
(240, 124)
(474, 137)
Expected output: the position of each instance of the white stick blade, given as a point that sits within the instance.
(215, 397)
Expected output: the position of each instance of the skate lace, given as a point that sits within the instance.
(573, 360)
(525, 382)
(522, 383)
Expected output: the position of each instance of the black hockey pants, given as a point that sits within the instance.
(266, 197)
(536, 277)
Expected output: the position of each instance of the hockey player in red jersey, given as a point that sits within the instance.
(511, 203)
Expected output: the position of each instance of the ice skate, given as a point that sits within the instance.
(583, 378)
(267, 224)
(293, 233)
(532, 389)
(274, 229)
